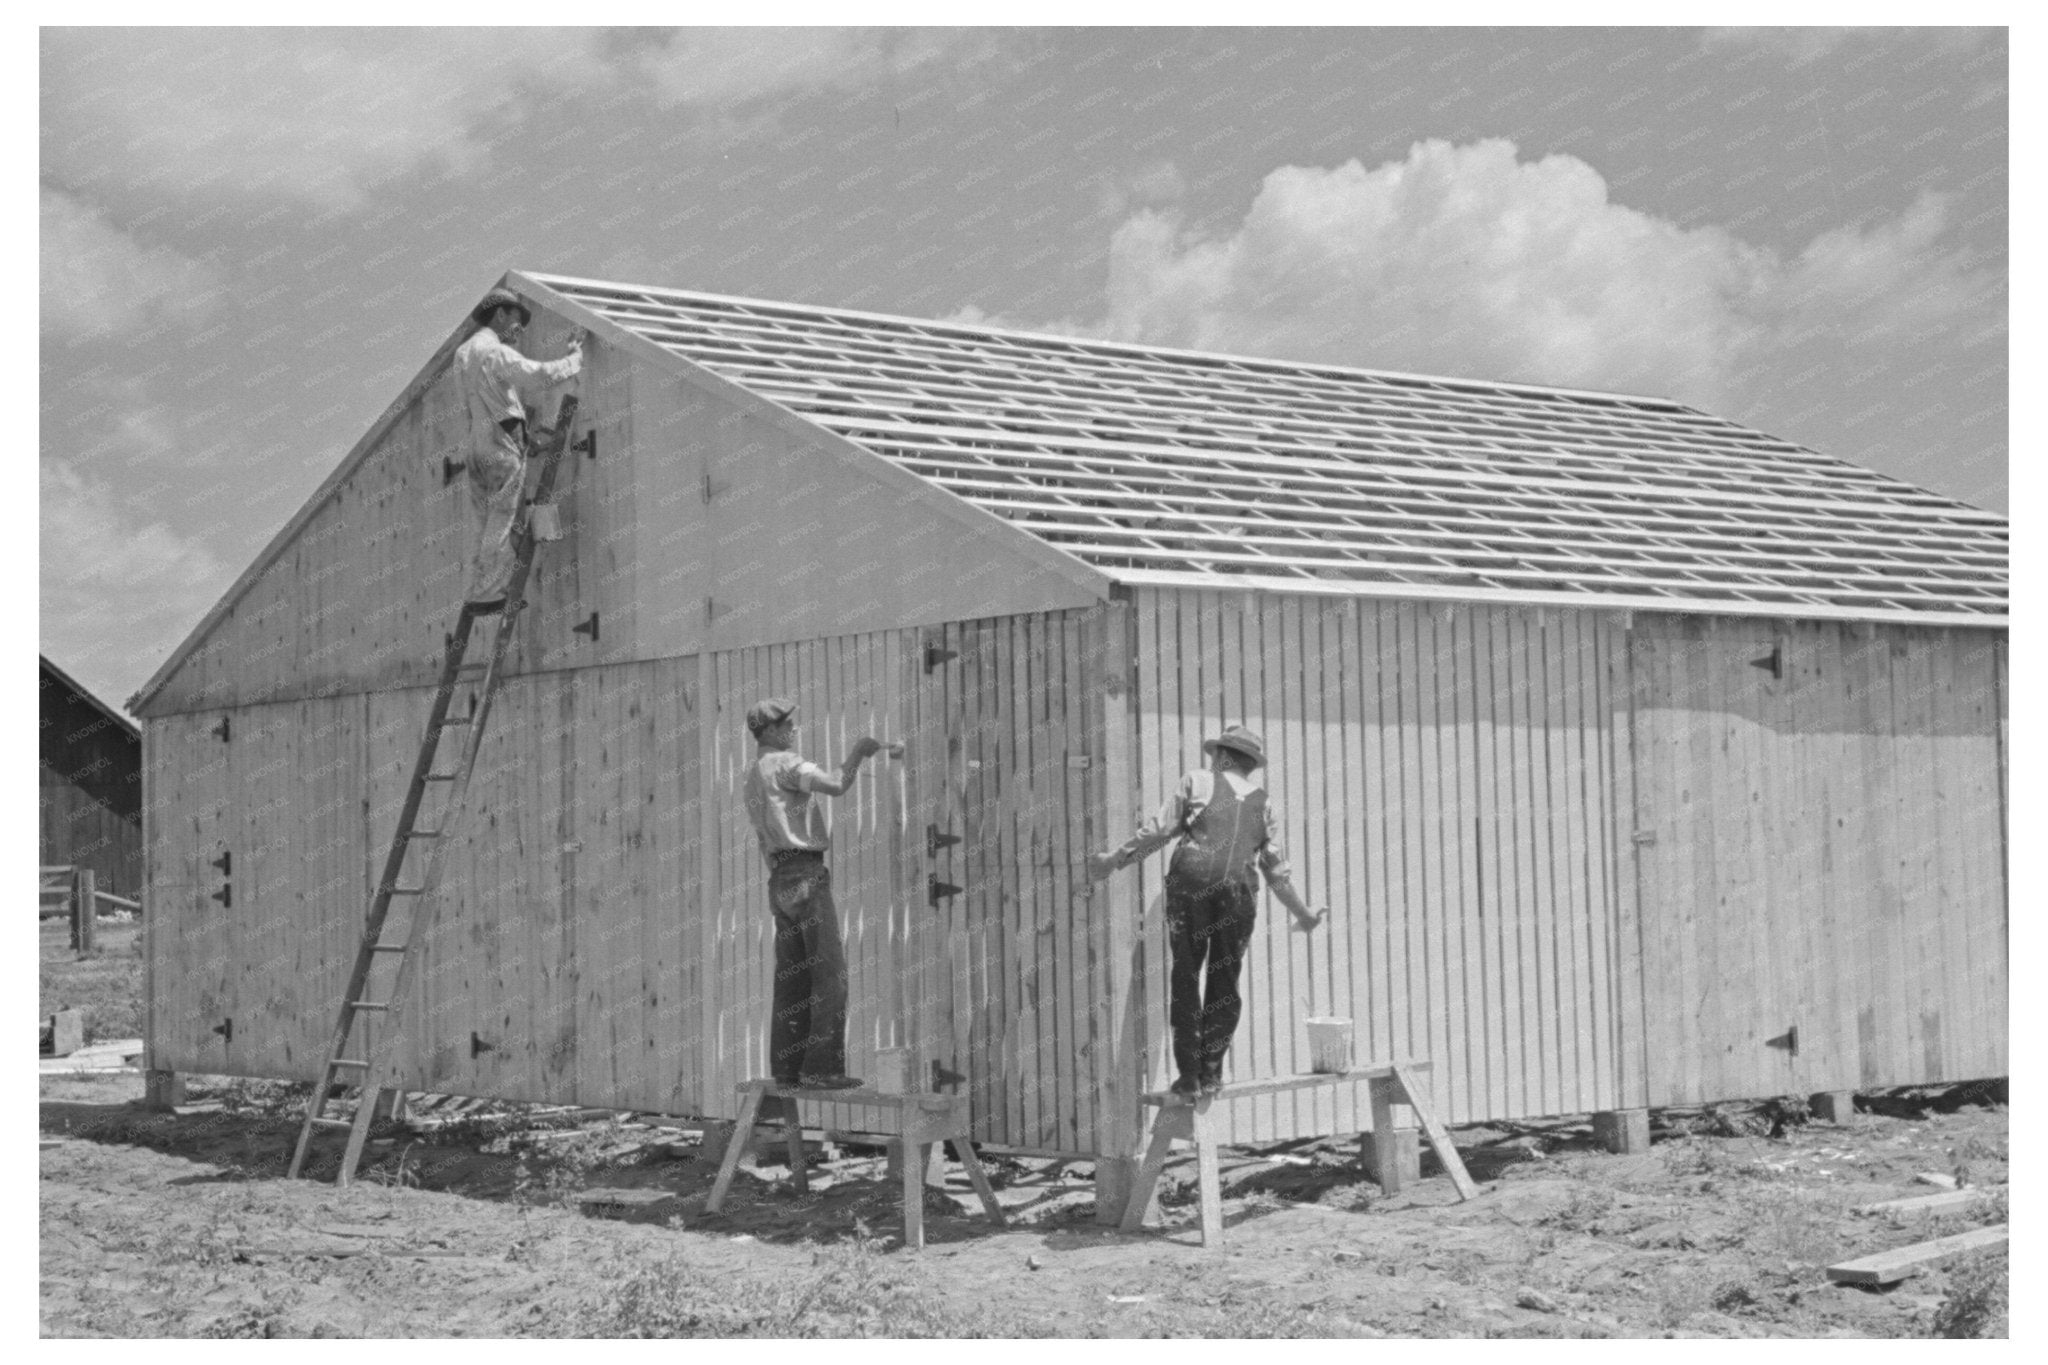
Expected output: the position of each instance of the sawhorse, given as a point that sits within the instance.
(924, 1119)
(1191, 1118)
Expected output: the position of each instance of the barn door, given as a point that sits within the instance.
(193, 888)
(1729, 882)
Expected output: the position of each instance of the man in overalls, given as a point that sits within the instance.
(491, 374)
(1226, 825)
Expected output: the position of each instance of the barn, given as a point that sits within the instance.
(1643, 758)
(89, 783)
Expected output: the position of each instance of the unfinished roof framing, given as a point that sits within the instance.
(1163, 467)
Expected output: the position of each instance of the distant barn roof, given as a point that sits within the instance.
(1162, 466)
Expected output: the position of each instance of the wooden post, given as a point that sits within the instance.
(1406, 1150)
(162, 1089)
(84, 910)
(1834, 1106)
(1623, 1130)
(1114, 787)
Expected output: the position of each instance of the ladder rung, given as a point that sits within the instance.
(459, 720)
(387, 947)
(348, 1061)
(407, 890)
(442, 777)
(369, 1004)
(423, 834)
(333, 1123)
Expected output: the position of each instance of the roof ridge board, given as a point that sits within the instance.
(1358, 470)
(1621, 548)
(1436, 506)
(1093, 344)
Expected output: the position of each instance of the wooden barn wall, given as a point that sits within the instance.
(361, 598)
(74, 829)
(750, 533)
(1446, 781)
(572, 958)
(1823, 851)
(256, 871)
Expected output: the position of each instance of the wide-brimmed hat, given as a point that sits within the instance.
(769, 711)
(1239, 740)
(502, 298)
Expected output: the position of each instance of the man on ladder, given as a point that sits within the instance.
(491, 373)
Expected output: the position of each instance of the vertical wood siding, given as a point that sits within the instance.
(1445, 781)
(1828, 856)
(1464, 786)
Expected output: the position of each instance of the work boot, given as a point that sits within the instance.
(1186, 1085)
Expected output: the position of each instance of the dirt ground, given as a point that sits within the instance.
(183, 1225)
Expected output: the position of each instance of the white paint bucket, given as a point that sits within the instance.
(546, 521)
(892, 1071)
(1329, 1045)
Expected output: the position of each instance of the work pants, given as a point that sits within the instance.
(807, 1031)
(497, 480)
(1207, 932)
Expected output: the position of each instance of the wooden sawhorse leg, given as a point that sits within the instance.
(1188, 1123)
(1404, 1086)
(742, 1134)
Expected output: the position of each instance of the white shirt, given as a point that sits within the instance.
(490, 373)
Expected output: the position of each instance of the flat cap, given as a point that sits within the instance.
(767, 712)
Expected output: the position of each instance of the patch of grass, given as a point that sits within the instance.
(1977, 1299)
(1587, 1206)
(851, 1290)
(106, 984)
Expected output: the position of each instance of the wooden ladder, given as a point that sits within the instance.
(373, 988)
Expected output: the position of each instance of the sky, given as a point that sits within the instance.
(250, 240)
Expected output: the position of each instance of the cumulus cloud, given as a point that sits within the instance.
(1466, 260)
(1802, 46)
(324, 115)
(117, 592)
(96, 278)
(725, 67)
(310, 114)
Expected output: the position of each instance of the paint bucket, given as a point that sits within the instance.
(546, 521)
(892, 1071)
(1329, 1045)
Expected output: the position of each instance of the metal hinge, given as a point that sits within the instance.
(588, 445)
(940, 890)
(225, 862)
(450, 468)
(1788, 1040)
(587, 628)
(944, 1076)
(221, 731)
(934, 655)
(226, 1029)
(934, 841)
(226, 897)
(1645, 836)
(712, 488)
(1774, 661)
(477, 1047)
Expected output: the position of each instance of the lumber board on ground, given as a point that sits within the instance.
(1924, 1203)
(1889, 1267)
